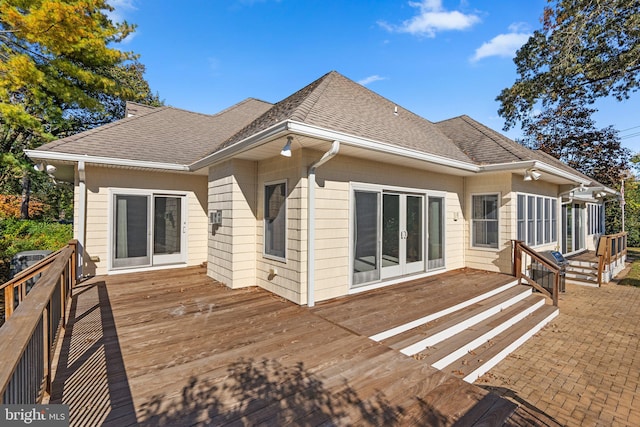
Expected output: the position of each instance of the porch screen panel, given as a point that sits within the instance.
(167, 225)
(131, 231)
(435, 253)
(366, 256)
(531, 220)
(554, 220)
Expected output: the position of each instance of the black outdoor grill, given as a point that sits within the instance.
(543, 276)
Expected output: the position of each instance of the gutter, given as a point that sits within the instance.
(82, 216)
(311, 220)
(53, 155)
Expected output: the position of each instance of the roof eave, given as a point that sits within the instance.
(539, 166)
(107, 161)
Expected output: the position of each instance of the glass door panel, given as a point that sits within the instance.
(414, 234)
(366, 258)
(391, 234)
(169, 227)
(131, 231)
(436, 233)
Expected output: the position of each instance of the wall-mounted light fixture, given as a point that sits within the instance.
(39, 167)
(286, 150)
(532, 175)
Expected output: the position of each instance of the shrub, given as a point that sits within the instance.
(26, 235)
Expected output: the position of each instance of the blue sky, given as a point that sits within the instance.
(437, 58)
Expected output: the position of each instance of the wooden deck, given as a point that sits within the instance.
(174, 347)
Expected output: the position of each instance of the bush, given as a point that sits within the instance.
(26, 235)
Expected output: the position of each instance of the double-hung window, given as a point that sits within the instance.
(484, 223)
(275, 219)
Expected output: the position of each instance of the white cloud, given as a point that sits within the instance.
(503, 45)
(371, 79)
(120, 9)
(432, 18)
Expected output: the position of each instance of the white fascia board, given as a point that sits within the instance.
(535, 164)
(346, 139)
(253, 141)
(110, 161)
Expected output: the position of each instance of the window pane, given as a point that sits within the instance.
(366, 265)
(484, 227)
(547, 220)
(131, 227)
(521, 215)
(275, 219)
(531, 218)
(167, 225)
(539, 219)
(554, 220)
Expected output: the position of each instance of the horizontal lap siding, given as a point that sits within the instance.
(290, 280)
(99, 180)
(333, 221)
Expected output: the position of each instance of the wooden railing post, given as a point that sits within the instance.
(517, 261)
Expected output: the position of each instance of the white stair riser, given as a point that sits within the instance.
(430, 318)
(509, 349)
(467, 323)
(457, 354)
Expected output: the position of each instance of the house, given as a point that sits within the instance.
(331, 191)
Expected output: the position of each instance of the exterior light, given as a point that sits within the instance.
(286, 150)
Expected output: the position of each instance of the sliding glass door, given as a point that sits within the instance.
(366, 250)
(402, 234)
(148, 229)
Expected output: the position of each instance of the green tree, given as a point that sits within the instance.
(585, 50)
(60, 73)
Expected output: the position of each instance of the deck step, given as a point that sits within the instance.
(479, 360)
(447, 351)
(433, 316)
(418, 338)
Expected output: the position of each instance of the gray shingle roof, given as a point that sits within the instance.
(164, 134)
(333, 102)
(337, 103)
(485, 146)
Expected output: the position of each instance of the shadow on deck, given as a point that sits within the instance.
(177, 348)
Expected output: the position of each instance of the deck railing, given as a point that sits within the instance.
(29, 334)
(526, 262)
(612, 249)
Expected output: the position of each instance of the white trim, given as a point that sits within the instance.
(354, 141)
(471, 219)
(112, 191)
(146, 268)
(264, 220)
(431, 317)
(51, 155)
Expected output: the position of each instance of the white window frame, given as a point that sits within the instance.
(474, 245)
(114, 191)
(264, 220)
(549, 221)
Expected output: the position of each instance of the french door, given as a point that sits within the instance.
(395, 233)
(148, 229)
(402, 234)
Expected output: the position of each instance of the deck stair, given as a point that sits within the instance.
(583, 272)
(470, 340)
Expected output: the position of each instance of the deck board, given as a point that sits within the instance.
(177, 348)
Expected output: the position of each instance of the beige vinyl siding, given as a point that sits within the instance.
(290, 278)
(99, 181)
(491, 259)
(232, 245)
(332, 276)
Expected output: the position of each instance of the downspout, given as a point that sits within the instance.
(311, 219)
(82, 215)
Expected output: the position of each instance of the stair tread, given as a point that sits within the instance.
(437, 352)
(476, 358)
(429, 329)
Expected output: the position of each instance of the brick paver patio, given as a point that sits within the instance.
(583, 369)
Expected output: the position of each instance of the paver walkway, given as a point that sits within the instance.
(583, 369)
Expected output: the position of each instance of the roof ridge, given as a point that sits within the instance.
(322, 82)
(508, 145)
(237, 105)
(90, 132)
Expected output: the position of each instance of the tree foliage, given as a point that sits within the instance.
(585, 50)
(60, 73)
(569, 133)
